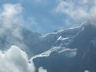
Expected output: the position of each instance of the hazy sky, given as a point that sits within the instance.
(48, 15)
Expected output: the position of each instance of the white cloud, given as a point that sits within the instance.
(15, 60)
(76, 9)
(9, 14)
(12, 24)
(86, 71)
(8, 19)
(10, 10)
(69, 9)
(11, 17)
(42, 70)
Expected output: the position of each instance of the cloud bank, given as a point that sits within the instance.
(15, 60)
(12, 23)
(76, 9)
(9, 18)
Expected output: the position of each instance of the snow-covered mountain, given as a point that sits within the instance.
(74, 50)
(32, 42)
(68, 50)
